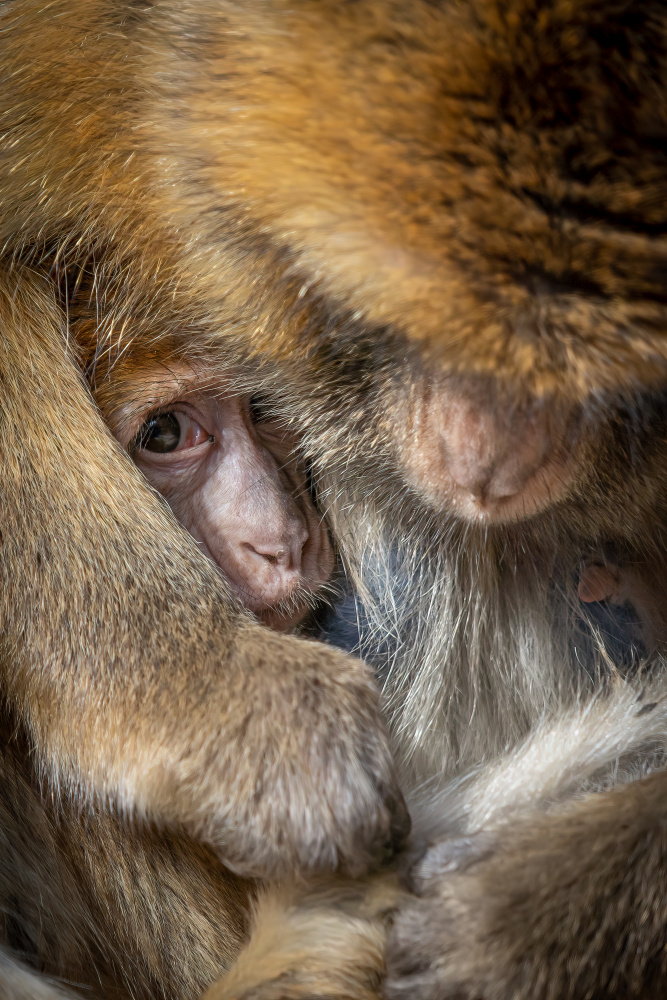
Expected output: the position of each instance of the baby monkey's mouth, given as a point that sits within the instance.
(295, 610)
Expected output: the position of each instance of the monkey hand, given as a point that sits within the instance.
(287, 764)
(564, 905)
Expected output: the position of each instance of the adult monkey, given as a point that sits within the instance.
(136, 685)
(453, 215)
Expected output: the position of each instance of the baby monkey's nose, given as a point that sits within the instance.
(283, 555)
(272, 563)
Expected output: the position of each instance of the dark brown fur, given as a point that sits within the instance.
(394, 212)
(99, 901)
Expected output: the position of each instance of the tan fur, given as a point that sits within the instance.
(315, 941)
(375, 208)
(149, 695)
(100, 903)
(114, 702)
(585, 883)
(432, 211)
(499, 856)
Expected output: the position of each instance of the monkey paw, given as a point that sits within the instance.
(323, 940)
(302, 776)
(437, 945)
(561, 905)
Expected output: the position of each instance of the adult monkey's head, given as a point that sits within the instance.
(453, 214)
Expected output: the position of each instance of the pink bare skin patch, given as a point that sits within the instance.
(638, 586)
(234, 483)
(485, 458)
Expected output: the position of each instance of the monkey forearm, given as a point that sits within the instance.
(545, 900)
(137, 672)
(552, 911)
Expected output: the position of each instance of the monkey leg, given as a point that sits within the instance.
(117, 909)
(140, 678)
(552, 892)
(325, 940)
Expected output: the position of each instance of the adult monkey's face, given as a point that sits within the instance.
(454, 214)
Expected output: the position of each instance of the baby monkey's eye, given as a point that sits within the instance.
(159, 433)
(169, 431)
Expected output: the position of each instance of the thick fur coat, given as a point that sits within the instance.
(437, 229)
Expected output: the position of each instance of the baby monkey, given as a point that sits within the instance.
(229, 473)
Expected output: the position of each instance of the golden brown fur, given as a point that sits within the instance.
(112, 685)
(62, 683)
(438, 229)
(546, 848)
(325, 940)
(100, 902)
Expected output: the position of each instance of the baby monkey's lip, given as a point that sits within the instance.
(285, 615)
(281, 615)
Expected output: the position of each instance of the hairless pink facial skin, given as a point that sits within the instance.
(235, 486)
(487, 461)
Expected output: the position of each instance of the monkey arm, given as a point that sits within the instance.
(554, 900)
(561, 907)
(532, 887)
(111, 906)
(140, 678)
(566, 906)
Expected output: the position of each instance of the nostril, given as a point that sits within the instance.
(275, 558)
(467, 476)
(264, 575)
(274, 555)
(499, 484)
(494, 467)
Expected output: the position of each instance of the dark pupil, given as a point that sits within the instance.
(160, 433)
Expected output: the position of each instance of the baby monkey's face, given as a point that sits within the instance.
(230, 476)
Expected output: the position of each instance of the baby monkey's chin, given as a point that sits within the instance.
(285, 612)
(286, 616)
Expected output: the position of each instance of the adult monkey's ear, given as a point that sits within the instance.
(140, 678)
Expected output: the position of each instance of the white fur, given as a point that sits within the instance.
(612, 739)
